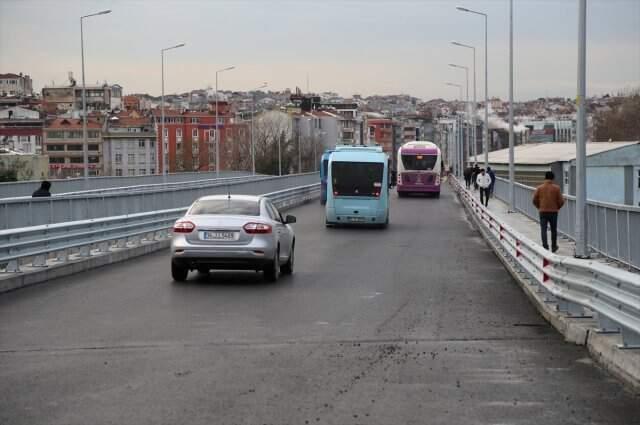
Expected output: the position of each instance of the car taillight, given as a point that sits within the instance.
(256, 228)
(437, 179)
(183, 227)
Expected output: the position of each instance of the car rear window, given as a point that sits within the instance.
(226, 207)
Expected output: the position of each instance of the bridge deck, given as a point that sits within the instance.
(418, 323)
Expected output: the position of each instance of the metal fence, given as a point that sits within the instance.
(26, 188)
(572, 284)
(25, 212)
(46, 245)
(613, 229)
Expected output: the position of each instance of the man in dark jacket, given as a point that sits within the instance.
(43, 191)
(474, 176)
(492, 174)
(467, 177)
(548, 200)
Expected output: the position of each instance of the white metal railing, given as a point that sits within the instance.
(611, 227)
(46, 245)
(26, 212)
(573, 284)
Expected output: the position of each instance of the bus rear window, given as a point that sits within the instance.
(357, 178)
(419, 162)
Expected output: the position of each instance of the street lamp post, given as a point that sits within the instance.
(85, 147)
(486, 86)
(165, 147)
(475, 102)
(456, 148)
(253, 112)
(582, 247)
(217, 124)
(466, 70)
(512, 189)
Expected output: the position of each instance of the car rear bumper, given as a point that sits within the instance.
(222, 258)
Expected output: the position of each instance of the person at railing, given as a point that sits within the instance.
(548, 200)
(474, 176)
(44, 190)
(467, 177)
(492, 174)
(484, 182)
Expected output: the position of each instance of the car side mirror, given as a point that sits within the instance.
(289, 219)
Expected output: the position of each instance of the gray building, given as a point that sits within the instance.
(613, 168)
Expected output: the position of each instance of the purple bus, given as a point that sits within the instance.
(419, 167)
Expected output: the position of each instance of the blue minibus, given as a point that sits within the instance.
(324, 169)
(358, 186)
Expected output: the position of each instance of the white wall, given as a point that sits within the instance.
(605, 184)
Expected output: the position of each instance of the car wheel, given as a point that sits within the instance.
(401, 194)
(179, 273)
(288, 267)
(272, 271)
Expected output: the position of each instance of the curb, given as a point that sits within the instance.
(603, 348)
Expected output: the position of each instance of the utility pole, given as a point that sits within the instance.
(512, 193)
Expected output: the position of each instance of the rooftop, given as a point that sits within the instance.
(546, 153)
(71, 124)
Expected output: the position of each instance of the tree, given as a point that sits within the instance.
(621, 123)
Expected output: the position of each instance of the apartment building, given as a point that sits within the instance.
(63, 144)
(189, 138)
(101, 97)
(15, 85)
(21, 130)
(129, 145)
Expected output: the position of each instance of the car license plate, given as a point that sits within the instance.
(219, 236)
(356, 219)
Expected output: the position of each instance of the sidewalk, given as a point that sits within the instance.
(531, 229)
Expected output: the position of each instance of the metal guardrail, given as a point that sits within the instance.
(578, 287)
(26, 212)
(142, 188)
(42, 246)
(613, 229)
(26, 188)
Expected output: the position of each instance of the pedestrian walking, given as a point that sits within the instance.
(43, 191)
(492, 174)
(484, 182)
(467, 177)
(548, 200)
(474, 176)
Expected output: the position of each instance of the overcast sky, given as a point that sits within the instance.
(365, 47)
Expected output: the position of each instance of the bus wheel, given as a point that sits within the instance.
(401, 194)
(437, 194)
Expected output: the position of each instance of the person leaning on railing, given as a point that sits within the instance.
(548, 200)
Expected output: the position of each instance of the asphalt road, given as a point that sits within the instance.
(416, 324)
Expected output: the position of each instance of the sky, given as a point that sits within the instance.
(346, 46)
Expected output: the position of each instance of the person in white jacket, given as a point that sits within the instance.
(484, 182)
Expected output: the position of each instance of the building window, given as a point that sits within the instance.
(152, 171)
(638, 179)
(141, 144)
(55, 134)
(194, 133)
(118, 171)
(54, 160)
(118, 158)
(74, 147)
(131, 158)
(142, 172)
(55, 148)
(132, 171)
(94, 159)
(76, 160)
(24, 138)
(152, 144)
(94, 147)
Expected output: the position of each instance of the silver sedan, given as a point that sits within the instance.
(233, 232)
